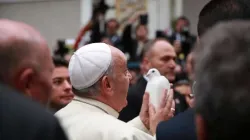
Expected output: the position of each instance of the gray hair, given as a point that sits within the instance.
(222, 73)
(95, 88)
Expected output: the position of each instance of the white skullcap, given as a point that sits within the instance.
(88, 64)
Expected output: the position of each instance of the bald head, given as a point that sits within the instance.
(20, 44)
(26, 64)
(160, 45)
(118, 60)
(116, 53)
(153, 46)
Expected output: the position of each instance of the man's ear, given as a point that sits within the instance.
(200, 128)
(106, 86)
(24, 80)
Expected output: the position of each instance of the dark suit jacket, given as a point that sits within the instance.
(23, 119)
(135, 97)
(181, 127)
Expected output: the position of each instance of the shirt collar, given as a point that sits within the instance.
(107, 109)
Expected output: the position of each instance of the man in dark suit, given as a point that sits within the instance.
(26, 66)
(23, 119)
(213, 12)
(159, 54)
(181, 127)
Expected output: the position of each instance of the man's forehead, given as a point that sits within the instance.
(60, 72)
(167, 54)
(117, 54)
(119, 60)
(163, 46)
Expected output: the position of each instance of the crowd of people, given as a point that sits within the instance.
(96, 95)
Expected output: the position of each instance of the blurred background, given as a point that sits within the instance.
(126, 24)
(62, 19)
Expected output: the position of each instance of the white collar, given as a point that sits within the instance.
(105, 108)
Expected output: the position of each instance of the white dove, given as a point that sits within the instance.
(155, 86)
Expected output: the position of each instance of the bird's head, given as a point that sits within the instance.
(153, 72)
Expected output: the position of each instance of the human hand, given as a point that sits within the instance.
(144, 113)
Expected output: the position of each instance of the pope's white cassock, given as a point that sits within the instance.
(86, 119)
(89, 119)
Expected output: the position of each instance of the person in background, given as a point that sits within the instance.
(158, 54)
(184, 88)
(213, 12)
(181, 23)
(133, 47)
(134, 70)
(102, 31)
(95, 27)
(222, 101)
(180, 61)
(101, 86)
(25, 74)
(106, 40)
(182, 35)
(61, 87)
(112, 26)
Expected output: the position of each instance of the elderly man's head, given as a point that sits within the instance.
(25, 60)
(161, 55)
(100, 71)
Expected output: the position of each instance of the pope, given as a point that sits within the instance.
(100, 80)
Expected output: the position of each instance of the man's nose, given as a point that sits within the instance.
(172, 64)
(67, 85)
